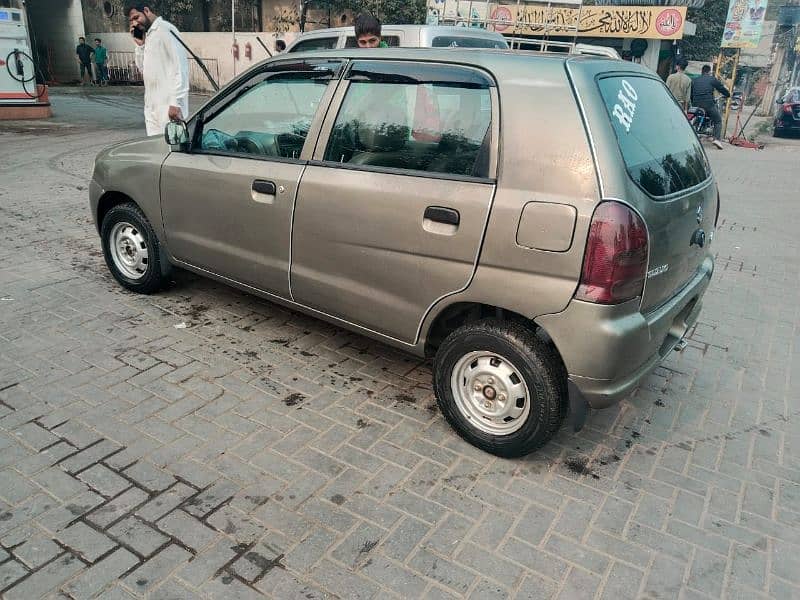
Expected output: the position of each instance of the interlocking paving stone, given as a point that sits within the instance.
(187, 530)
(117, 507)
(207, 563)
(91, 583)
(45, 580)
(104, 480)
(141, 537)
(14, 488)
(37, 551)
(156, 569)
(11, 571)
(206, 501)
(149, 477)
(165, 502)
(88, 542)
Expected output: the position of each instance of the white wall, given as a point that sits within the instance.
(210, 46)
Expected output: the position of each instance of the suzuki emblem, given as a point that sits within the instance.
(699, 214)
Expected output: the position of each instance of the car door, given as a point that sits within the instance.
(227, 203)
(392, 210)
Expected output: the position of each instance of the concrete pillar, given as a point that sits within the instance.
(56, 27)
(650, 58)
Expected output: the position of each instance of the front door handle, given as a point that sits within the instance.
(261, 186)
(440, 214)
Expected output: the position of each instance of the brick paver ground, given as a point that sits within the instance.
(204, 443)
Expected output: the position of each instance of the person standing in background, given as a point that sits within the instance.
(164, 66)
(680, 84)
(100, 62)
(84, 52)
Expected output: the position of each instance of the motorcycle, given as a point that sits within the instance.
(701, 122)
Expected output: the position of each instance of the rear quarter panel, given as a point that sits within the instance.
(544, 157)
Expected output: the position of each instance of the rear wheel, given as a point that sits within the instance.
(131, 249)
(500, 387)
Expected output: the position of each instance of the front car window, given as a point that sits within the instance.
(428, 125)
(270, 118)
(659, 147)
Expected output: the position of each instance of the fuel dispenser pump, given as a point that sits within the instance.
(17, 68)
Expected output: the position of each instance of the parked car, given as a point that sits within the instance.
(544, 264)
(788, 118)
(413, 36)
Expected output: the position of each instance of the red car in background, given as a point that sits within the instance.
(788, 117)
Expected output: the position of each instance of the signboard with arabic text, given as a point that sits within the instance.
(651, 22)
(744, 23)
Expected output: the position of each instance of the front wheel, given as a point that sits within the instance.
(131, 249)
(500, 387)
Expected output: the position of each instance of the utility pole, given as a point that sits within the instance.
(233, 33)
(793, 78)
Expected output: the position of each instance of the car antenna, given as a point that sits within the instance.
(198, 59)
(264, 46)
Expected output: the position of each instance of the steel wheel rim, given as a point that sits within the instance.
(490, 393)
(129, 250)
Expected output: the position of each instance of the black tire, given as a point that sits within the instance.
(152, 277)
(777, 132)
(539, 367)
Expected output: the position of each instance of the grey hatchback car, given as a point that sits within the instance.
(537, 224)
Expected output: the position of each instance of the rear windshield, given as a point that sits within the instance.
(659, 147)
(457, 41)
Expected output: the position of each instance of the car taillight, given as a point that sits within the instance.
(615, 260)
(787, 108)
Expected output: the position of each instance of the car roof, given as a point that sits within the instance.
(483, 57)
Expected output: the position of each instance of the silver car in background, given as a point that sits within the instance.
(402, 36)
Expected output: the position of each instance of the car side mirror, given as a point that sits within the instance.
(176, 135)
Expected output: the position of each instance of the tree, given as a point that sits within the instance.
(710, 21)
(388, 11)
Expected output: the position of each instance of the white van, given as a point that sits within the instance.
(407, 36)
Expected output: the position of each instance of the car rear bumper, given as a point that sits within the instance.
(788, 122)
(608, 350)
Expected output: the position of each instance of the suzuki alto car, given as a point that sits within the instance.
(539, 225)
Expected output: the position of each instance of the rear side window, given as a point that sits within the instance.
(453, 41)
(659, 147)
(327, 43)
(437, 125)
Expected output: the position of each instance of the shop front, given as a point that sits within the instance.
(644, 34)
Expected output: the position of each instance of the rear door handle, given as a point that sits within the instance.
(261, 186)
(440, 214)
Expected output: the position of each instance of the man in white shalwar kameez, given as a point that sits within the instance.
(164, 66)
